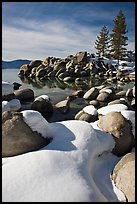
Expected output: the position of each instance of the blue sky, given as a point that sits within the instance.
(36, 30)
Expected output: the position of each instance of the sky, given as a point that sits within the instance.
(36, 30)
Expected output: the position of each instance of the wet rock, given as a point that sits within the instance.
(24, 94)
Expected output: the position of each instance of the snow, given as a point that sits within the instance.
(75, 167)
(46, 97)
(90, 110)
(12, 105)
(7, 88)
(114, 107)
(37, 122)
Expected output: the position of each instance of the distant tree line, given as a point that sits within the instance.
(113, 45)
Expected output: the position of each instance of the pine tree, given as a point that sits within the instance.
(118, 38)
(101, 43)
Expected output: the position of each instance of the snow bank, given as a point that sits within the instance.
(75, 167)
(114, 107)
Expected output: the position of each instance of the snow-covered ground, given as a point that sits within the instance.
(75, 167)
(124, 65)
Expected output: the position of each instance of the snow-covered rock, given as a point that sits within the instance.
(114, 107)
(12, 105)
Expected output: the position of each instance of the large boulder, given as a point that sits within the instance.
(18, 137)
(91, 94)
(24, 94)
(43, 105)
(121, 130)
(124, 176)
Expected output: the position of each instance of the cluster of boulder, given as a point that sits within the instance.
(71, 68)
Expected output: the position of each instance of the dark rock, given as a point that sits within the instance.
(24, 94)
(16, 85)
(8, 97)
(18, 137)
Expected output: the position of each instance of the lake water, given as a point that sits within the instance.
(56, 89)
(39, 88)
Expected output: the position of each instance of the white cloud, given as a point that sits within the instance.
(37, 40)
(55, 38)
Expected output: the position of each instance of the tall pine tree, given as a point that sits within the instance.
(118, 38)
(101, 43)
